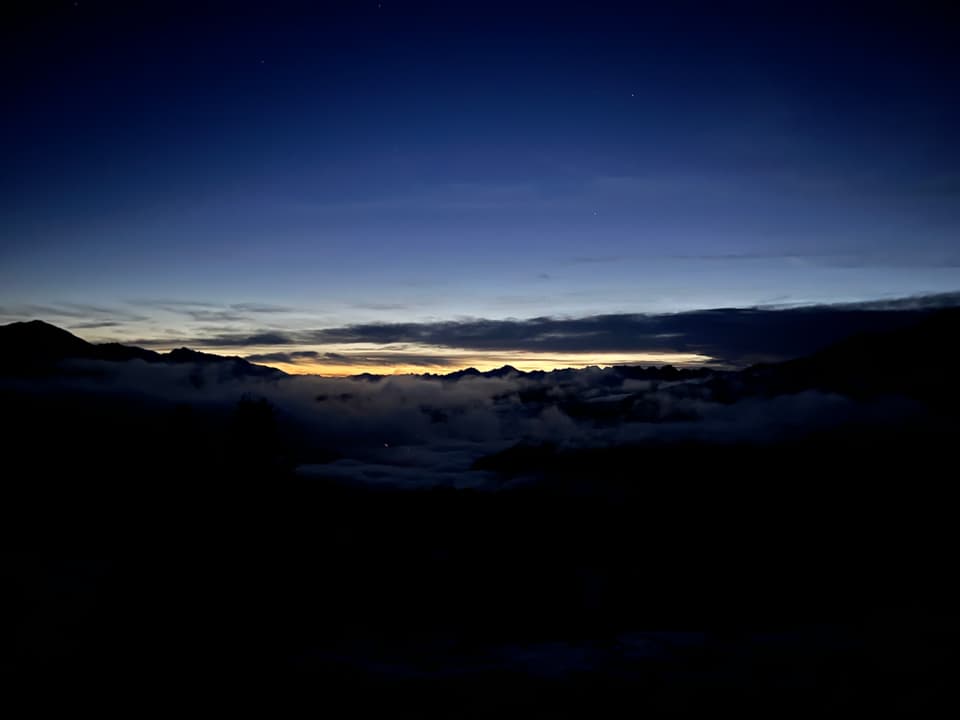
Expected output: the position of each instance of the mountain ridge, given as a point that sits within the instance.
(36, 346)
(916, 359)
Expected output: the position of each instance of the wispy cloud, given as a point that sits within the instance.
(356, 359)
(863, 259)
(78, 311)
(94, 325)
(262, 308)
(730, 335)
(380, 306)
(170, 302)
(224, 340)
(203, 311)
(594, 259)
(285, 357)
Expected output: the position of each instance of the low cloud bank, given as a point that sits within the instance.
(731, 336)
(413, 430)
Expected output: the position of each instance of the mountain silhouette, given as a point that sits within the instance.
(626, 372)
(499, 372)
(37, 347)
(178, 532)
(918, 361)
(39, 342)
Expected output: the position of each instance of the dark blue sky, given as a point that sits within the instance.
(347, 162)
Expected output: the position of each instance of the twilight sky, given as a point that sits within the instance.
(245, 173)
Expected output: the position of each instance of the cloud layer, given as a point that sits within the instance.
(423, 430)
(728, 336)
(725, 337)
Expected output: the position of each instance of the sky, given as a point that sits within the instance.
(227, 175)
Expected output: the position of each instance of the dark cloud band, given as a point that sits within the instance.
(731, 335)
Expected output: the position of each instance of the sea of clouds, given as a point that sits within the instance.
(423, 430)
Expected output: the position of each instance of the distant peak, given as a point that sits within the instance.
(33, 344)
(503, 371)
(37, 343)
(38, 325)
(36, 328)
(182, 354)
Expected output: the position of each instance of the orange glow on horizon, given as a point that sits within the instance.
(410, 359)
(522, 361)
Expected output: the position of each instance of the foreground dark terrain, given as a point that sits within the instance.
(554, 542)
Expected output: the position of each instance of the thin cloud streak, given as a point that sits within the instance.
(732, 337)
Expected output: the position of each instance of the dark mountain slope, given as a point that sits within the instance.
(29, 344)
(36, 348)
(918, 361)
